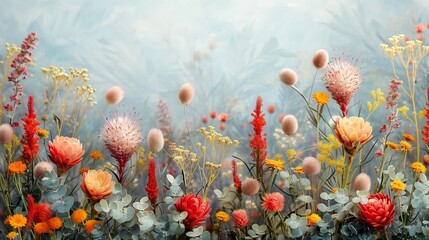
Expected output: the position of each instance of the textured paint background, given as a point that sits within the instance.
(150, 48)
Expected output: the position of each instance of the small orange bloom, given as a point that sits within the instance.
(408, 137)
(392, 145)
(17, 167)
(90, 225)
(83, 170)
(299, 170)
(79, 215)
(12, 235)
(41, 228)
(42, 133)
(321, 98)
(405, 146)
(313, 219)
(17, 220)
(55, 223)
(96, 155)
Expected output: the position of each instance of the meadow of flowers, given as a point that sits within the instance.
(360, 174)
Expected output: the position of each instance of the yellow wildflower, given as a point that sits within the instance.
(392, 145)
(408, 137)
(299, 170)
(313, 219)
(277, 164)
(42, 133)
(418, 167)
(291, 154)
(96, 155)
(405, 146)
(397, 185)
(17, 220)
(321, 98)
(222, 216)
(12, 235)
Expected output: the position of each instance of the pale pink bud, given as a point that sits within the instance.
(6, 133)
(426, 159)
(186, 93)
(280, 117)
(41, 168)
(271, 108)
(222, 126)
(289, 125)
(114, 95)
(155, 139)
(320, 58)
(362, 182)
(311, 166)
(288, 76)
(250, 187)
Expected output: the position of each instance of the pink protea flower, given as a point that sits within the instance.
(65, 152)
(342, 79)
(198, 210)
(378, 212)
(122, 136)
(240, 218)
(273, 202)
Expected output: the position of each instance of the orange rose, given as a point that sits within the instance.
(65, 152)
(352, 132)
(97, 184)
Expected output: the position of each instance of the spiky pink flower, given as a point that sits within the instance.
(342, 79)
(122, 136)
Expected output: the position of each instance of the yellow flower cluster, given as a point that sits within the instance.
(413, 50)
(397, 185)
(325, 148)
(276, 164)
(418, 167)
(338, 164)
(378, 98)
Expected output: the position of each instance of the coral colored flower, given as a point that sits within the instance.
(405, 146)
(17, 167)
(97, 184)
(223, 117)
(258, 143)
(397, 185)
(17, 220)
(96, 155)
(198, 210)
(152, 185)
(408, 137)
(43, 212)
(273, 202)
(342, 79)
(12, 235)
(419, 28)
(79, 215)
(55, 223)
(83, 170)
(392, 145)
(29, 138)
(250, 186)
(65, 152)
(42, 133)
(240, 218)
(378, 212)
(353, 131)
(312, 219)
(276, 164)
(41, 228)
(299, 170)
(418, 167)
(122, 136)
(237, 181)
(321, 98)
(222, 216)
(90, 225)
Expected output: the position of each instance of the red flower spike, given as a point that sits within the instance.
(237, 181)
(152, 186)
(258, 143)
(29, 138)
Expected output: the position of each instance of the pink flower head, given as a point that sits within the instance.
(114, 95)
(289, 124)
(342, 79)
(250, 186)
(419, 28)
(240, 218)
(186, 93)
(41, 168)
(6, 133)
(273, 202)
(65, 152)
(362, 182)
(320, 58)
(198, 210)
(155, 139)
(378, 212)
(311, 166)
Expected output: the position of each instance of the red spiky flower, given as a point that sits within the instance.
(40, 212)
(152, 186)
(425, 131)
(237, 181)
(29, 138)
(258, 143)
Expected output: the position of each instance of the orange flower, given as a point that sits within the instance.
(97, 184)
(12, 235)
(55, 223)
(65, 152)
(392, 145)
(276, 164)
(408, 137)
(41, 228)
(79, 215)
(83, 170)
(17, 167)
(353, 131)
(90, 225)
(405, 146)
(96, 155)
(42, 133)
(313, 219)
(17, 220)
(273, 202)
(299, 170)
(418, 167)
(321, 98)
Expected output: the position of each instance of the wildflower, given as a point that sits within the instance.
(425, 131)
(271, 108)
(205, 119)
(42, 133)
(114, 95)
(408, 137)
(17, 167)
(222, 216)
(198, 210)
(6, 133)
(122, 136)
(362, 182)
(273, 202)
(41, 228)
(378, 212)
(213, 114)
(311, 166)
(334, 190)
(250, 187)
(55, 223)
(237, 181)
(320, 58)
(65, 152)
(79, 215)
(155, 140)
(96, 155)
(83, 170)
(321, 98)
(392, 145)
(418, 167)
(90, 225)
(240, 218)
(291, 154)
(352, 132)
(223, 117)
(299, 170)
(258, 143)
(41, 168)
(152, 186)
(17, 220)
(97, 184)
(276, 164)
(397, 185)
(12, 235)
(405, 146)
(313, 219)
(29, 138)
(419, 28)
(342, 79)
(288, 76)
(186, 93)
(289, 125)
